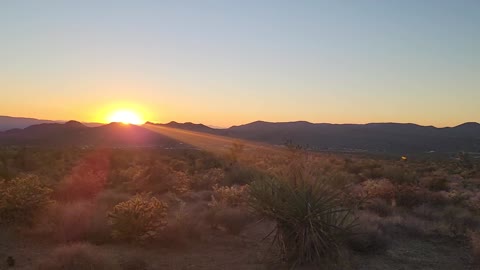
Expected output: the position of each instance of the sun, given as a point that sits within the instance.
(126, 117)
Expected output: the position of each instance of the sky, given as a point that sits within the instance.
(232, 62)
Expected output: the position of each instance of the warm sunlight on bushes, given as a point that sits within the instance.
(21, 199)
(138, 219)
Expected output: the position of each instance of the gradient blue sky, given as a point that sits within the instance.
(231, 62)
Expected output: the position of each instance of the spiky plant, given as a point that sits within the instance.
(311, 222)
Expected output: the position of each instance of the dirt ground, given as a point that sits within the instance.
(247, 251)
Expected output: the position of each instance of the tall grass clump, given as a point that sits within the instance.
(311, 221)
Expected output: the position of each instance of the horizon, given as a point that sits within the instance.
(229, 63)
(226, 127)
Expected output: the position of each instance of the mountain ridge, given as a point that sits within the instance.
(385, 137)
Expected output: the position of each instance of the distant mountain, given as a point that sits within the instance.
(10, 122)
(78, 134)
(373, 137)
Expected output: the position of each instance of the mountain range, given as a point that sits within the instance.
(373, 137)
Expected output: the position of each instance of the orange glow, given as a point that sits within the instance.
(126, 117)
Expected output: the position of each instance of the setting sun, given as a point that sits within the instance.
(126, 117)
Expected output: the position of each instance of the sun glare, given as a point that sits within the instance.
(126, 117)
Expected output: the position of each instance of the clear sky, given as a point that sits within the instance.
(231, 62)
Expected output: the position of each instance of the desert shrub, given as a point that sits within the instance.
(436, 184)
(227, 208)
(157, 178)
(352, 166)
(460, 220)
(207, 179)
(342, 179)
(399, 174)
(78, 256)
(140, 218)
(409, 196)
(457, 197)
(311, 223)
(383, 189)
(439, 199)
(372, 170)
(428, 212)
(230, 196)
(22, 198)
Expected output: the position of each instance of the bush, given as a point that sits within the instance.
(311, 223)
(383, 189)
(436, 184)
(410, 196)
(208, 179)
(138, 219)
(79, 256)
(399, 174)
(21, 199)
(460, 220)
(230, 196)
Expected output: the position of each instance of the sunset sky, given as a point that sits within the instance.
(231, 62)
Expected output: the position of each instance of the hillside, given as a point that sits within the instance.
(373, 137)
(9, 122)
(76, 133)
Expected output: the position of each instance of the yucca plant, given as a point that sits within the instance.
(311, 222)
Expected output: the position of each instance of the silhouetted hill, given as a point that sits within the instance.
(9, 122)
(373, 137)
(75, 133)
(186, 126)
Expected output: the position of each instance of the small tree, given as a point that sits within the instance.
(138, 219)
